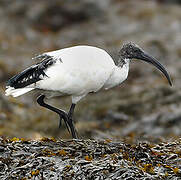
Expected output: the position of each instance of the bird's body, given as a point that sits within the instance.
(76, 71)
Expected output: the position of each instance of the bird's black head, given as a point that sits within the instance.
(130, 50)
(133, 51)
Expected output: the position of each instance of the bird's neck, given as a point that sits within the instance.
(122, 62)
(119, 74)
(122, 70)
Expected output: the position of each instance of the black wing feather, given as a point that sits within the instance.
(32, 74)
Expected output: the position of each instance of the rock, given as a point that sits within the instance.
(117, 160)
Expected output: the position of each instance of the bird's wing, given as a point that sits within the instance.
(32, 74)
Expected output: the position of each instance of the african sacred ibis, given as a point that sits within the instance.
(76, 71)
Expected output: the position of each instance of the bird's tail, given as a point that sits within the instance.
(16, 92)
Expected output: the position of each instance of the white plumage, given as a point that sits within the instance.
(17, 92)
(76, 71)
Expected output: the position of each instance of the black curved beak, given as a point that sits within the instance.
(149, 59)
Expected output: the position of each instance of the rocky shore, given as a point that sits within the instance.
(88, 159)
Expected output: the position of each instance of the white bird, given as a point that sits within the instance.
(76, 71)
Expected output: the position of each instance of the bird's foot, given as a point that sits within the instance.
(65, 118)
(72, 127)
(69, 124)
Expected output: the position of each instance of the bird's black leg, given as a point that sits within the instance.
(63, 115)
(71, 123)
